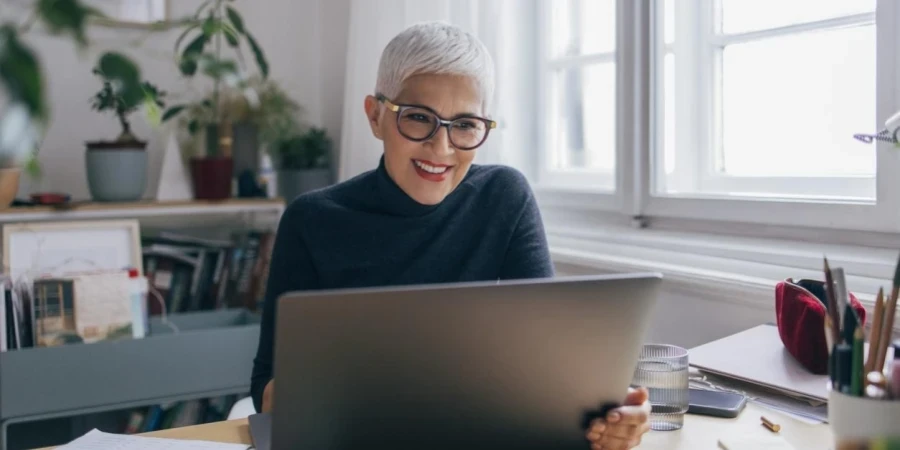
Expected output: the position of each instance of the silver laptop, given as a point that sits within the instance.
(509, 365)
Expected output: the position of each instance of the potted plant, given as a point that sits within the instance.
(302, 163)
(117, 170)
(26, 112)
(216, 24)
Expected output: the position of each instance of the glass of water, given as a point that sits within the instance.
(663, 370)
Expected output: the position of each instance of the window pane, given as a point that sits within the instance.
(669, 118)
(583, 128)
(669, 21)
(580, 27)
(739, 16)
(792, 104)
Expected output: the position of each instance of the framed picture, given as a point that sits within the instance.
(53, 248)
(132, 12)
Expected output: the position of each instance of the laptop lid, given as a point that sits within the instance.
(515, 364)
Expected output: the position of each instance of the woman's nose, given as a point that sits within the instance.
(440, 142)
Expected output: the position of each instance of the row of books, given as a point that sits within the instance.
(16, 317)
(198, 274)
(179, 414)
(184, 274)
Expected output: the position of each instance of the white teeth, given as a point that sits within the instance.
(430, 169)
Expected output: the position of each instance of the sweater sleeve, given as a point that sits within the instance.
(528, 255)
(291, 269)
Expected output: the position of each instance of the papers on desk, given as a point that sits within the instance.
(98, 440)
(758, 356)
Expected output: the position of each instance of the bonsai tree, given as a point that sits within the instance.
(124, 104)
(215, 23)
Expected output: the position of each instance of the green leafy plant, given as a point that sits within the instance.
(22, 77)
(123, 104)
(308, 150)
(216, 22)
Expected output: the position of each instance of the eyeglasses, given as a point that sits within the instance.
(420, 123)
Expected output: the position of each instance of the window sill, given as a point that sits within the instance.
(741, 270)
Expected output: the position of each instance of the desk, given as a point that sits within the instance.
(699, 432)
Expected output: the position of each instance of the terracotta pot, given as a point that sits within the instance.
(212, 178)
(9, 186)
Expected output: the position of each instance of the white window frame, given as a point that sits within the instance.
(637, 142)
(563, 182)
(700, 48)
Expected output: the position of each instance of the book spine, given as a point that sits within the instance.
(3, 337)
(244, 288)
(261, 274)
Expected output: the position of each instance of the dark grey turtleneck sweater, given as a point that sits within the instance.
(367, 232)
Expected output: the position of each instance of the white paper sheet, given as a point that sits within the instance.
(754, 441)
(98, 440)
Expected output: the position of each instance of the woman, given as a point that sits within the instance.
(426, 214)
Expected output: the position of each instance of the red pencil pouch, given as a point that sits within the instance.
(800, 312)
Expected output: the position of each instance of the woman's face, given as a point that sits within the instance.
(427, 171)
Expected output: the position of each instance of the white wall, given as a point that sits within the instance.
(691, 318)
(305, 41)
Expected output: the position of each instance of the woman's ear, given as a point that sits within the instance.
(373, 112)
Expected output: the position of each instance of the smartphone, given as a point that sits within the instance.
(715, 403)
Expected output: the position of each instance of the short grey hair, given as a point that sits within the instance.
(436, 48)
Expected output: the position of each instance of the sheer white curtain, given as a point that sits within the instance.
(505, 26)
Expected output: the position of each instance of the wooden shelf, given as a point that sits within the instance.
(149, 208)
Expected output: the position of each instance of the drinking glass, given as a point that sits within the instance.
(663, 370)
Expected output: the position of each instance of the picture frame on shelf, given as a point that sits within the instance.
(38, 249)
(132, 13)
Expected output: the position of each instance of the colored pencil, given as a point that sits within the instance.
(832, 307)
(848, 320)
(887, 326)
(856, 377)
(875, 336)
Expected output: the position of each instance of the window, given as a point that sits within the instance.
(578, 73)
(736, 110)
(762, 98)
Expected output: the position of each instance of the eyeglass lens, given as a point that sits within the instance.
(418, 124)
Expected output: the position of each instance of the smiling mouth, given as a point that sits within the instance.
(430, 167)
(431, 171)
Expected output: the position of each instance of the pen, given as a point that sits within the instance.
(829, 342)
(843, 362)
(856, 376)
(832, 307)
(895, 372)
(847, 315)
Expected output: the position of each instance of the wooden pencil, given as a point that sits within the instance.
(875, 336)
(832, 307)
(887, 326)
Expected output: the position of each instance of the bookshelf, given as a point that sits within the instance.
(153, 214)
(210, 355)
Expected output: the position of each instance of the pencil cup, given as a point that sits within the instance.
(861, 420)
(663, 370)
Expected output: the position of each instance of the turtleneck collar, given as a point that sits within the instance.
(392, 199)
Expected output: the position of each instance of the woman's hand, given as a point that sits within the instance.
(268, 396)
(624, 426)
